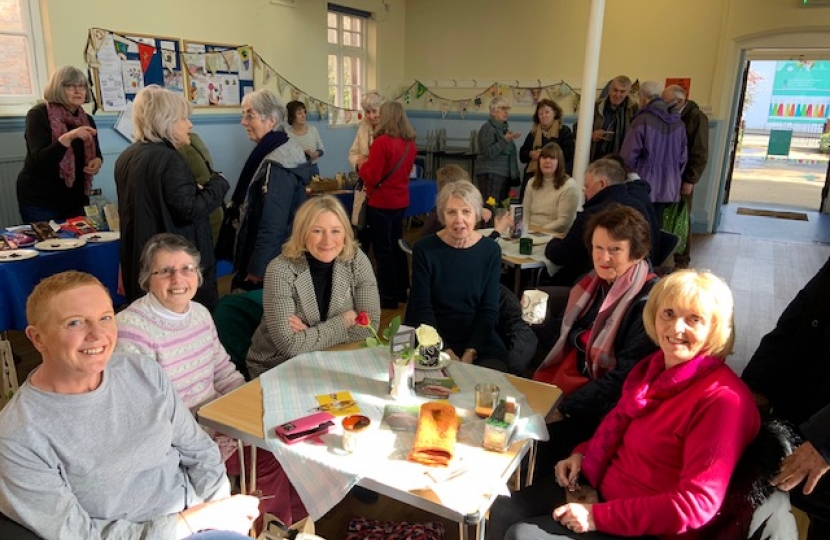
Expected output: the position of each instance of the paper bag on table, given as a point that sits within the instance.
(436, 435)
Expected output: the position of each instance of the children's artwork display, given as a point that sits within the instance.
(217, 74)
(208, 74)
(122, 64)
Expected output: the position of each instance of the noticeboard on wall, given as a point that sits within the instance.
(217, 74)
(121, 64)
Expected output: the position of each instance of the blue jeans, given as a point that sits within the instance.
(31, 214)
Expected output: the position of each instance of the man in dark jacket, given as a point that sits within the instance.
(697, 144)
(790, 376)
(604, 185)
(612, 116)
(655, 147)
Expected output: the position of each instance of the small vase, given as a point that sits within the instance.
(401, 378)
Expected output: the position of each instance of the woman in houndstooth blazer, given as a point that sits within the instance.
(314, 289)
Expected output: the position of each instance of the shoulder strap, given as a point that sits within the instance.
(395, 168)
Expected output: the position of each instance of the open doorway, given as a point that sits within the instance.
(780, 159)
(779, 169)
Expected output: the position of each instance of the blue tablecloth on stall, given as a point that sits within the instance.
(17, 279)
(422, 195)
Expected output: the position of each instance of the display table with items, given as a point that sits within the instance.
(23, 267)
(372, 438)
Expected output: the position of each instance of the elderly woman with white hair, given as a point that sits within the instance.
(158, 193)
(359, 152)
(455, 280)
(497, 166)
(270, 188)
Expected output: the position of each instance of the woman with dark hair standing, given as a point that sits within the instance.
(305, 134)
(547, 128)
(62, 151)
(386, 174)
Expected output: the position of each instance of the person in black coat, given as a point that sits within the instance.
(547, 127)
(158, 193)
(62, 151)
(604, 185)
(790, 377)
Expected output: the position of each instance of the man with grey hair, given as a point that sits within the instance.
(604, 185)
(697, 145)
(612, 115)
(655, 147)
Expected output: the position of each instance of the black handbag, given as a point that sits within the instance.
(226, 240)
(361, 196)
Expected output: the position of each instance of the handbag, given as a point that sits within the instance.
(676, 221)
(226, 240)
(361, 195)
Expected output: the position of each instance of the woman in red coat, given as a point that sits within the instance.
(386, 174)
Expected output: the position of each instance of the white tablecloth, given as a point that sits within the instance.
(324, 474)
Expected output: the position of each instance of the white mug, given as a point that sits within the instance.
(534, 306)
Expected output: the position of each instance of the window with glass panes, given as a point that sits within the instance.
(347, 56)
(19, 52)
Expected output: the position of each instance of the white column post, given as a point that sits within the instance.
(593, 42)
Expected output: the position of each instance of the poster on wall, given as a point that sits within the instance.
(683, 82)
(217, 75)
(121, 64)
(800, 92)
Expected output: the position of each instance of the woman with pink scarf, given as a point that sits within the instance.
(662, 458)
(62, 152)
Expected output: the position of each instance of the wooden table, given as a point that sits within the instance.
(240, 413)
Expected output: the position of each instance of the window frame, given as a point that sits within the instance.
(341, 52)
(33, 32)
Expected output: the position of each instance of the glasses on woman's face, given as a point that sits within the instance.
(75, 87)
(248, 116)
(169, 271)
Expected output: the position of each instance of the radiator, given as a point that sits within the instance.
(9, 168)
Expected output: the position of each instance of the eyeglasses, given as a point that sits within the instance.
(251, 115)
(83, 325)
(169, 271)
(75, 86)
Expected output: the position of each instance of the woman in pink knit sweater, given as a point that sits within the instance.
(167, 325)
(662, 458)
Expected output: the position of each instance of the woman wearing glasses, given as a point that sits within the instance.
(270, 188)
(62, 151)
(166, 325)
(158, 193)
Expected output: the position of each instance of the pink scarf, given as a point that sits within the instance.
(645, 388)
(61, 121)
(599, 354)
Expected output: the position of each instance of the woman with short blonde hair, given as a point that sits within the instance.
(156, 113)
(157, 191)
(314, 289)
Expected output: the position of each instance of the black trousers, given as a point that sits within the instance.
(385, 229)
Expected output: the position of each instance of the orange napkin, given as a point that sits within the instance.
(436, 435)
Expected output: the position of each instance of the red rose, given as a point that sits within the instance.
(362, 319)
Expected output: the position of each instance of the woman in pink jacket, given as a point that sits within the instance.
(662, 458)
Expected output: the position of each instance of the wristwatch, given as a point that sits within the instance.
(495, 235)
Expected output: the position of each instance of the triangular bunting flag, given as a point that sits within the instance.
(145, 54)
(445, 107)
(421, 90)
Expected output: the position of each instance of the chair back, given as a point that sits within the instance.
(237, 317)
(9, 386)
(666, 245)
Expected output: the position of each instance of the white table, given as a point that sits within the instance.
(377, 466)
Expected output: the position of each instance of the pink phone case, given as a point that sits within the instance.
(300, 429)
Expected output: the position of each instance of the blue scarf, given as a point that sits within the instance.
(271, 141)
